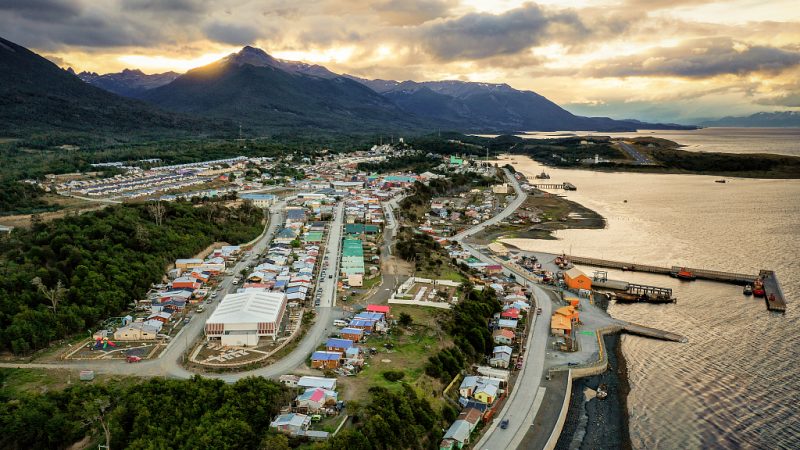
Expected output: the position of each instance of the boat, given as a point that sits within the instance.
(542, 176)
(748, 290)
(720, 181)
(684, 274)
(602, 391)
(758, 288)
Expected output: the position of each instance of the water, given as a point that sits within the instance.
(736, 384)
(782, 141)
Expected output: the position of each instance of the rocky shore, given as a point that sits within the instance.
(600, 424)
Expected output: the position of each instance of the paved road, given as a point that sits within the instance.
(633, 153)
(328, 280)
(516, 203)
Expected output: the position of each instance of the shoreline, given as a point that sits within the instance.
(600, 423)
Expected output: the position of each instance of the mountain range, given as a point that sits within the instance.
(265, 94)
(762, 119)
(36, 96)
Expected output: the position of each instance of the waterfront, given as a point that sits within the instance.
(734, 384)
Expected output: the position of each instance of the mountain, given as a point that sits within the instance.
(762, 119)
(265, 93)
(128, 83)
(490, 106)
(38, 96)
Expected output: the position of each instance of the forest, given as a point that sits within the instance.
(94, 265)
(22, 198)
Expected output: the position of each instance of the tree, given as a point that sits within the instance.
(157, 210)
(95, 411)
(54, 295)
(405, 319)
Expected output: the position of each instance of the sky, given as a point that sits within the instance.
(654, 60)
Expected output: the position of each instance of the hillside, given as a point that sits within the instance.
(252, 87)
(37, 96)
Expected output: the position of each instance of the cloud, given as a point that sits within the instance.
(412, 12)
(700, 58)
(233, 34)
(42, 9)
(477, 36)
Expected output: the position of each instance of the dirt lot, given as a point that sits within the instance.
(67, 204)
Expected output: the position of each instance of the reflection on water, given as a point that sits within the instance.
(736, 383)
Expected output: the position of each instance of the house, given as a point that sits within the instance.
(186, 283)
(320, 382)
(560, 325)
(137, 331)
(314, 399)
(501, 357)
(569, 312)
(383, 309)
(338, 345)
(185, 264)
(510, 313)
(471, 415)
(473, 384)
(325, 360)
(575, 279)
(291, 423)
(510, 324)
(162, 317)
(353, 334)
(486, 393)
(457, 436)
(503, 337)
(367, 326)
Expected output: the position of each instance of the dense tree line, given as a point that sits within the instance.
(198, 413)
(93, 265)
(22, 198)
(471, 335)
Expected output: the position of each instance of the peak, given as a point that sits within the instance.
(253, 56)
(132, 71)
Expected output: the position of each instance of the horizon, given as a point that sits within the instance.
(653, 61)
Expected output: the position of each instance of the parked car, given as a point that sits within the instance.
(504, 424)
(330, 276)
(538, 311)
(200, 309)
(133, 359)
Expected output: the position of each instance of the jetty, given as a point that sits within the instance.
(773, 294)
(565, 186)
(655, 333)
(775, 299)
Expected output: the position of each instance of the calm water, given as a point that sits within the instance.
(736, 384)
(783, 141)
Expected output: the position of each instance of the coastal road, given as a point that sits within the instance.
(639, 158)
(516, 203)
(521, 405)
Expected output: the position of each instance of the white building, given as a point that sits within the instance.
(241, 319)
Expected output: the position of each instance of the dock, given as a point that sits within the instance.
(655, 333)
(565, 186)
(775, 299)
(773, 294)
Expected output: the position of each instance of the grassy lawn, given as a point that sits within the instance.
(411, 348)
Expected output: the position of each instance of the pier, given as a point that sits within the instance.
(773, 295)
(655, 333)
(565, 186)
(650, 291)
(775, 299)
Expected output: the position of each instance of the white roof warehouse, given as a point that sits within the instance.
(241, 319)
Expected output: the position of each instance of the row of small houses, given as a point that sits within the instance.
(188, 283)
(343, 352)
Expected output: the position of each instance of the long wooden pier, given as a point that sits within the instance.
(567, 186)
(774, 295)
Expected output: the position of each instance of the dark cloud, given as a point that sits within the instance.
(170, 6)
(42, 9)
(233, 34)
(700, 58)
(477, 36)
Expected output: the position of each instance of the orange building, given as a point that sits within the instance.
(575, 279)
(569, 312)
(560, 325)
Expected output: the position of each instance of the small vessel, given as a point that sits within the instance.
(748, 290)
(684, 274)
(543, 176)
(758, 288)
(602, 391)
(720, 181)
